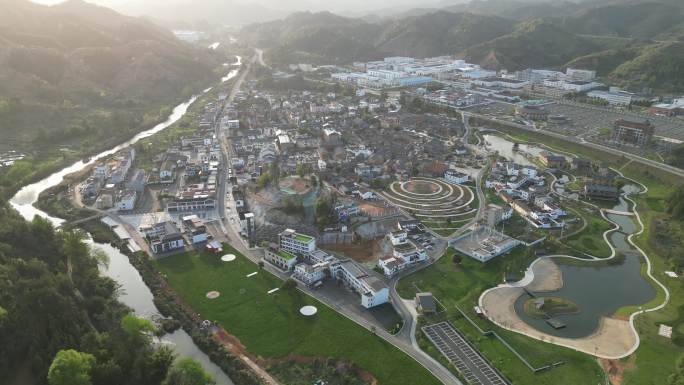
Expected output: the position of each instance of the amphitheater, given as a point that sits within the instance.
(442, 206)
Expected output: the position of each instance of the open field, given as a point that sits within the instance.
(462, 286)
(270, 326)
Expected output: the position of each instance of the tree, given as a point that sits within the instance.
(71, 368)
(261, 264)
(134, 326)
(159, 364)
(188, 372)
(289, 284)
(457, 259)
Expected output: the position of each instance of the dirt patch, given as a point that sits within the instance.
(616, 369)
(342, 367)
(363, 251)
(421, 187)
(296, 185)
(375, 209)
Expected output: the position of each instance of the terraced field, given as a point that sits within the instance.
(442, 206)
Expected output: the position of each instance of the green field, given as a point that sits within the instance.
(590, 240)
(271, 326)
(462, 286)
(656, 357)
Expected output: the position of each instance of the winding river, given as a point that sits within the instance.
(134, 292)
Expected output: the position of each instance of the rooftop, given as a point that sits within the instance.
(286, 255)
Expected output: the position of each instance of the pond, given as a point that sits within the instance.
(505, 148)
(598, 290)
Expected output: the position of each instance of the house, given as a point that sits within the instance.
(391, 265)
(456, 177)
(195, 228)
(600, 190)
(495, 213)
(581, 166)
(398, 237)
(551, 160)
(280, 258)
(164, 237)
(310, 274)
(425, 303)
(299, 244)
(127, 201)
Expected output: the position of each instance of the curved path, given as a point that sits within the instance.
(609, 341)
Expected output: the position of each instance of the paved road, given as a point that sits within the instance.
(229, 231)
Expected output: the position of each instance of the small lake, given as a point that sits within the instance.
(505, 148)
(599, 291)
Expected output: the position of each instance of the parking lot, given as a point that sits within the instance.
(467, 361)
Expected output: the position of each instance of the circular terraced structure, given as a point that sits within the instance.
(438, 204)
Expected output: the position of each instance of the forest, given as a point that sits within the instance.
(60, 321)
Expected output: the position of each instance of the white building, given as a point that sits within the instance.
(580, 75)
(310, 274)
(127, 201)
(282, 259)
(456, 177)
(615, 96)
(398, 237)
(195, 228)
(297, 243)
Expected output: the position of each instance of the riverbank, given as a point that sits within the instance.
(612, 339)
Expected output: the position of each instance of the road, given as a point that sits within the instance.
(635, 158)
(405, 340)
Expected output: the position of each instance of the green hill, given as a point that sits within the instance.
(536, 44)
(643, 20)
(77, 74)
(440, 32)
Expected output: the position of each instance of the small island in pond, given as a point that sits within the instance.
(546, 307)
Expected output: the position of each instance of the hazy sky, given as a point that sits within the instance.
(354, 6)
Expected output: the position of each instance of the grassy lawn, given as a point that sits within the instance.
(590, 240)
(462, 286)
(271, 326)
(656, 357)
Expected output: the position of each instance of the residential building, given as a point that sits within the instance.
(280, 258)
(495, 213)
(127, 201)
(195, 228)
(310, 274)
(551, 160)
(164, 237)
(296, 243)
(398, 237)
(453, 176)
(425, 303)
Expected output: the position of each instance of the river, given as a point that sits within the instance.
(134, 292)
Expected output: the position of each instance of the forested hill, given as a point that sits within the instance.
(633, 43)
(77, 76)
(53, 299)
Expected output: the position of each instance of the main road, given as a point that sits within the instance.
(404, 341)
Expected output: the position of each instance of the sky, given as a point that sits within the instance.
(178, 8)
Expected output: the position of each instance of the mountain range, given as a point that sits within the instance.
(631, 43)
(72, 69)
